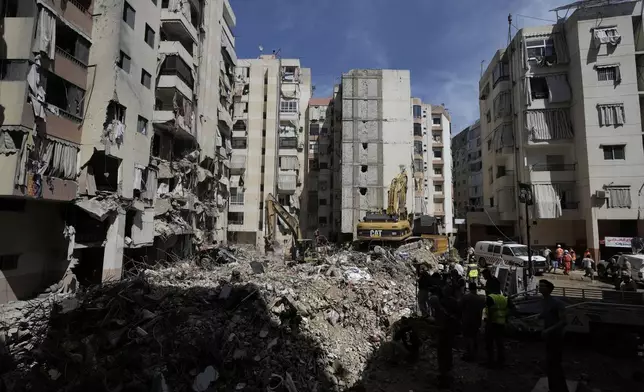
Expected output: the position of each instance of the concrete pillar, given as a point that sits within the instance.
(592, 235)
(114, 244)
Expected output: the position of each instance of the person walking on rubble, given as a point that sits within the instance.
(472, 305)
(554, 320)
(424, 283)
(498, 306)
(447, 314)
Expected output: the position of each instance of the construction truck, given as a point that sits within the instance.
(392, 225)
(300, 247)
(395, 225)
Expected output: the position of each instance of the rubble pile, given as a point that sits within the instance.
(251, 323)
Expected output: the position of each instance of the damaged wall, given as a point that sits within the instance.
(32, 233)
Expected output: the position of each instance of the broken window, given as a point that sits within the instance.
(70, 42)
(418, 165)
(105, 171)
(149, 36)
(115, 111)
(538, 48)
(124, 62)
(539, 88)
(314, 129)
(418, 147)
(65, 95)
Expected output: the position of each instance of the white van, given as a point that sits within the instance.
(489, 252)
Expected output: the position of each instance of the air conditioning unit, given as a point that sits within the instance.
(601, 194)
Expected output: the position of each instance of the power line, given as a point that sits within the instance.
(535, 18)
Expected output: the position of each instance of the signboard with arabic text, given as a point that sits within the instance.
(618, 242)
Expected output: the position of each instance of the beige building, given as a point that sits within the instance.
(269, 145)
(561, 111)
(76, 172)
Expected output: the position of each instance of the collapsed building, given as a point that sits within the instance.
(113, 152)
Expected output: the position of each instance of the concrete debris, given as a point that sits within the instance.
(217, 325)
(98, 207)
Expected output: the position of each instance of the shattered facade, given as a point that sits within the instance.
(132, 170)
(320, 164)
(43, 84)
(268, 141)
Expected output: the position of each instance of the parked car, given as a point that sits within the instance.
(512, 253)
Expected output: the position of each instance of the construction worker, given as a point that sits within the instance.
(490, 280)
(554, 320)
(497, 315)
(425, 283)
(473, 272)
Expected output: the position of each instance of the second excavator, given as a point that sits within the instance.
(300, 247)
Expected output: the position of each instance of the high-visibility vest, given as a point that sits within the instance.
(499, 312)
(473, 271)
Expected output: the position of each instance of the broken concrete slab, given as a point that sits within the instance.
(98, 208)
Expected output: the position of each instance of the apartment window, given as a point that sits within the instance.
(324, 131)
(154, 2)
(324, 165)
(538, 48)
(9, 262)
(555, 162)
(236, 196)
(322, 220)
(17, 8)
(619, 196)
(489, 145)
(438, 171)
(488, 116)
(146, 78)
(489, 174)
(614, 152)
(500, 171)
(418, 130)
(149, 35)
(129, 15)
(314, 147)
(418, 111)
(14, 70)
(491, 202)
(438, 153)
(124, 62)
(239, 143)
(175, 66)
(608, 73)
(418, 147)
(314, 129)
(539, 88)
(236, 218)
(322, 202)
(611, 114)
(70, 42)
(142, 126)
(501, 72)
(436, 137)
(288, 142)
(418, 165)
(289, 106)
(438, 188)
(436, 120)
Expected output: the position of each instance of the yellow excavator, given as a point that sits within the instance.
(393, 224)
(300, 247)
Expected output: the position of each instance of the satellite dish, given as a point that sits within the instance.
(261, 48)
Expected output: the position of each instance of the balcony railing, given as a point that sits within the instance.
(544, 167)
(237, 199)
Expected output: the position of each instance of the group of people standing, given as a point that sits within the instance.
(456, 310)
(567, 260)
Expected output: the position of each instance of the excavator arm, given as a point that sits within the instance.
(397, 196)
(275, 209)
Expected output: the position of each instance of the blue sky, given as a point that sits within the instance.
(441, 42)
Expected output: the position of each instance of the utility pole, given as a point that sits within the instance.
(525, 197)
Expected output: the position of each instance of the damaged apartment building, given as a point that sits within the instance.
(111, 152)
(268, 141)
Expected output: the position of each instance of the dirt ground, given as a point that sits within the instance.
(525, 365)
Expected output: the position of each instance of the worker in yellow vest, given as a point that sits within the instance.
(498, 306)
(473, 273)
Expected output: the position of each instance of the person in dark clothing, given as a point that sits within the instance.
(446, 311)
(490, 281)
(554, 319)
(409, 338)
(497, 313)
(425, 282)
(472, 305)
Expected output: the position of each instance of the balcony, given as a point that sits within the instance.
(504, 179)
(237, 164)
(178, 119)
(287, 181)
(176, 48)
(77, 12)
(176, 24)
(548, 172)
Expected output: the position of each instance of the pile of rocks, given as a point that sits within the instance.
(251, 323)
